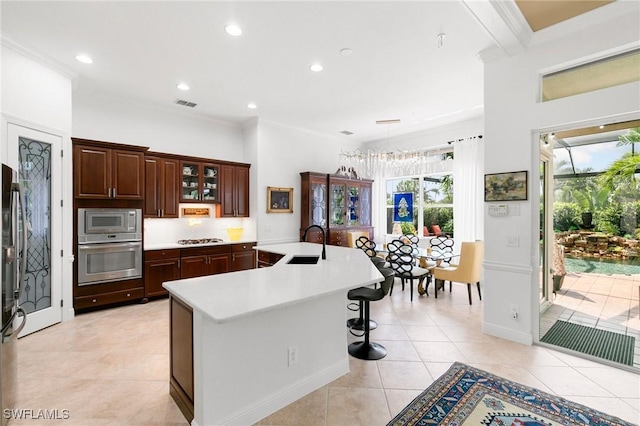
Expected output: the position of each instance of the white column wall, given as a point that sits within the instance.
(512, 115)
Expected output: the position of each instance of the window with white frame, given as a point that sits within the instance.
(432, 203)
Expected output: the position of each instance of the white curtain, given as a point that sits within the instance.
(468, 194)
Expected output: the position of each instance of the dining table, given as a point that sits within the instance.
(425, 254)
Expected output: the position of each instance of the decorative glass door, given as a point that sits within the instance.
(40, 177)
(365, 206)
(210, 182)
(318, 204)
(353, 210)
(190, 182)
(337, 207)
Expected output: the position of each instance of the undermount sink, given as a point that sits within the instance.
(304, 260)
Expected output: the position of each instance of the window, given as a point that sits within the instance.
(432, 195)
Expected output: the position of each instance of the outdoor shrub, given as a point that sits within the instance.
(630, 217)
(566, 216)
(407, 228)
(439, 216)
(608, 219)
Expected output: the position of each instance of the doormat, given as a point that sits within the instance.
(467, 396)
(588, 340)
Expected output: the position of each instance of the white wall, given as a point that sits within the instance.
(165, 130)
(512, 115)
(282, 154)
(37, 97)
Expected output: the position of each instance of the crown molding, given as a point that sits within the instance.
(514, 20)
(490, 54)
(501, 23)
(39, 57)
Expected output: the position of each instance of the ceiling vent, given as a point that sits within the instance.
(346, 132)
(185, 103)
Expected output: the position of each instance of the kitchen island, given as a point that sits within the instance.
(245, 344)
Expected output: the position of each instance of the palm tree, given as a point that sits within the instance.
(622, 171)
(631, 138)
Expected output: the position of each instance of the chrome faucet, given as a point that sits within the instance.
(324, 239)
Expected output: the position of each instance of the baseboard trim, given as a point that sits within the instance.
(507, 333)
(507, 267)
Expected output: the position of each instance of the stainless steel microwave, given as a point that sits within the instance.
(94, 225)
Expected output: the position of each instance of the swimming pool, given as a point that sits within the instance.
(602, 266)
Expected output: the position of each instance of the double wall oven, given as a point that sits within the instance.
(109, 245)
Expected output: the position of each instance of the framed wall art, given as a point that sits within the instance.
(511, 186)
(279, 200)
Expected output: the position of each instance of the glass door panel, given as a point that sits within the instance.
(353, 212)
(318, 204)
(210, 182)
(337, 212)
(190, 181)
(365, 211)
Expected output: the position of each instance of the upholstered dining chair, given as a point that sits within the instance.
(467, 271)
(369, 247)
(443, 244)
(402, 260)
(352, 237)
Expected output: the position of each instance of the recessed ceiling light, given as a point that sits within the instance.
(316, 67)
(183, 86)
(233, 30)
(602, 127)
(252, 105)
(346, 51)
(85, 59)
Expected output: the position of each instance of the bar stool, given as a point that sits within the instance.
(369, 247)
(366, 349)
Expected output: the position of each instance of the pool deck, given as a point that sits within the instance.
(607, 302)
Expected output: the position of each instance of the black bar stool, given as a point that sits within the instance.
(365, 349)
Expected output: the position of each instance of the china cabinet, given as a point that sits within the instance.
(199, 182)
(335, 203)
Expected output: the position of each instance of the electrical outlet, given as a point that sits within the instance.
(513, 241)
(514, 311)
(292, 356)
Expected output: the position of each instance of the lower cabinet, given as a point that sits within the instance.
(181, 357)
(160, 266)
(266, 258)
(243, 257)
(201, 261)
(92, 296)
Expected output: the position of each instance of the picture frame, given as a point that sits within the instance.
(509, 186)
(279, 200)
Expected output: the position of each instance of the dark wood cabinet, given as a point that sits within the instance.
(201, 261)
(160, 266)
(234, 181)
(199, 182)
(102, 171)
(335, 203)
(110, 293)
(162, 187)
(243, 257)
(267, 258)
(181, 356)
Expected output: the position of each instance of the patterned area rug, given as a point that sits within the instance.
(465, 396)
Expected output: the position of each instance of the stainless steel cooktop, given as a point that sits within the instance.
(200, 241)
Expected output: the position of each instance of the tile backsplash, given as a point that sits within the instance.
(158, 231)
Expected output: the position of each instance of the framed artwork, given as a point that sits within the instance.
(279, 200)
(403, 207)
(510, 186)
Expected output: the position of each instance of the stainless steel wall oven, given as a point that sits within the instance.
(109, 245)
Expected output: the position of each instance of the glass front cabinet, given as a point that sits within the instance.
(199, 182)
(337, 205)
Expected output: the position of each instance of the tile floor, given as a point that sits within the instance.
(111, 367)
(607, 302)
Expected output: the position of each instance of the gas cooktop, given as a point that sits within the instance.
(200, 241)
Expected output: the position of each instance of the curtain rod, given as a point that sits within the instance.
(460, 140)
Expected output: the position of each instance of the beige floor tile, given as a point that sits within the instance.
(565, 381)
(399, 350)
(404, 375)
(514, 373)
(623, 384)
(362, 374)
(356, 406)
(612, 406)
(426, 333)
(397, 399)
(308, 410)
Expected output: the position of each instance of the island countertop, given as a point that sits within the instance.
(231, 296)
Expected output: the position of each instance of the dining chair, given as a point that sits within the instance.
(467, 271)
(402, 260)
(352, 237)
(443, 244)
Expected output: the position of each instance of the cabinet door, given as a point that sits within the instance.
(227, 206)
(194, 266)
(210, 183)
(170, 188)
(318, 203)
(152, 190)
(92, 172)
(337, 204)
(158, 271)
(365, 205)
(128, 175)
(218, 263)
(190, 181)
(242, 191)
(353, 205)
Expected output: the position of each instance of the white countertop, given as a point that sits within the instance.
(234, 295)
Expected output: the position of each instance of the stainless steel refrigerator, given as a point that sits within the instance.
(14, 257)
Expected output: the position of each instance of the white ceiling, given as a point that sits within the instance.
(141, 50)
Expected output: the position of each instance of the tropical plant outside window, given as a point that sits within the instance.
(432, 195)
(604, 194)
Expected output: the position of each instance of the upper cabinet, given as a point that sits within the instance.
(199, 182)
(108, 171)
(234, 182)
(349, 202)
(162, 187)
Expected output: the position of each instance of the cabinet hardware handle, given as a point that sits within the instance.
(94, 300)
(114, 193)
(128, 294)
(179, 263)
(233, 257)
